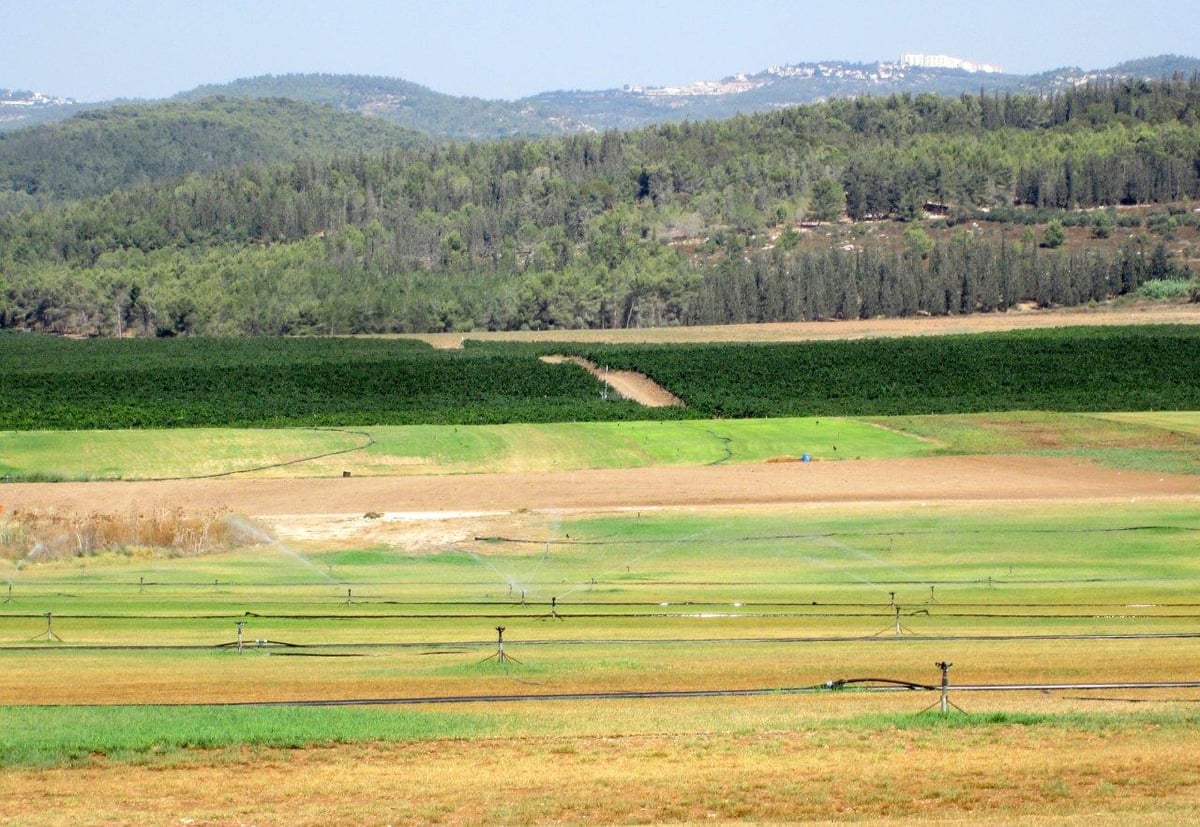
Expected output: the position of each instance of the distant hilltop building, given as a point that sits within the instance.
(27, 98)
(947, 62)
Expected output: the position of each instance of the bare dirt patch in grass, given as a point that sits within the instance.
(294, 505)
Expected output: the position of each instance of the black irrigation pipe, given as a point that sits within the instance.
(567, 541)
(533, 609)
(370, 441)
(995, 582)
(439, 647)
(817, 604)
(726, 443)
(841, 685)
(932, 532)
(31, 587)
(740, 604)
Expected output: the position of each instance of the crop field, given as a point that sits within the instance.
(704, 659)
(436, 449)
(745, 615)
(697, 626)
(1158, 441)
(107, 385)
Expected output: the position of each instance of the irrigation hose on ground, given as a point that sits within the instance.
(860, 685)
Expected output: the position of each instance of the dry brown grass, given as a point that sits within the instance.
(49, 534)
(1117, 313)
(997, 774)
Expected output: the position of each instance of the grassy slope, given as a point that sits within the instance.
(432, 449)
(1163, 441)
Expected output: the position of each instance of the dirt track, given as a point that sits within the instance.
(1016, 319)
(626, 383)
(942, 479)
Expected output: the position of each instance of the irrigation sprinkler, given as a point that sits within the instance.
(945, 700)
(349, 596)
(553, 610)
(499, 655)
(944, 703)
(899, 628)
(49, 633)
(241, 624)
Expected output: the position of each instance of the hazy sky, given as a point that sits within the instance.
(107, 49)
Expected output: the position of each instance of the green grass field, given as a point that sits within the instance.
(685, 601)
(140, 695)
(1164, 441)
(425, 449)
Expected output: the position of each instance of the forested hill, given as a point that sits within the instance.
(405, 104)
(108, 149)
(444, 116)
(557, 112)
(952, 205)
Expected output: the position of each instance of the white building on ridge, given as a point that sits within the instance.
(947, 62)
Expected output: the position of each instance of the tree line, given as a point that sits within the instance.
(662, 225)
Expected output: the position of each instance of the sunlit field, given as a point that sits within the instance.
(692, 664)
(1161, 440)
(125, 670)
(776, 598)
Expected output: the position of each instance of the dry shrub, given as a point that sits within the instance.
(51, 535)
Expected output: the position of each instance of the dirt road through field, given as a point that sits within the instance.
(931, 480)
(626, 383)
(1015, 319)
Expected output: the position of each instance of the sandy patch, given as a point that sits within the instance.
(409, 529)
(627, 383)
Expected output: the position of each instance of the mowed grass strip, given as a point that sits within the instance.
(1153, 441)
(160, 454)
(431, 449)
(1157, 441)
(48, 735)
(1187, 422)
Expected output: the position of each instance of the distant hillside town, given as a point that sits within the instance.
(872, 72)
(21, 97)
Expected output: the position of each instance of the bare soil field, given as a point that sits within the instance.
(289, 506)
